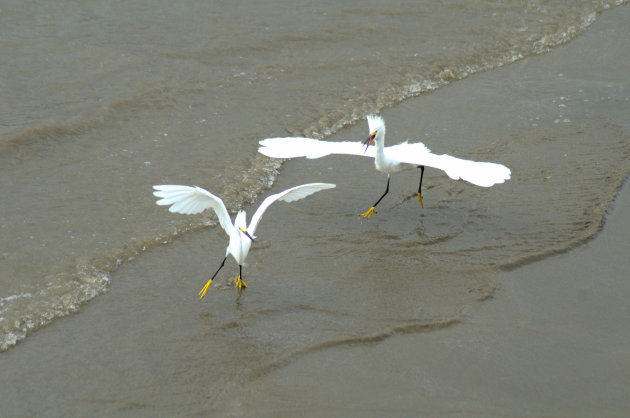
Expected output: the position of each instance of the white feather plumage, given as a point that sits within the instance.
(190, 200)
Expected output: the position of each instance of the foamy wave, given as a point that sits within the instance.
(65, 293)
(26, 312)
(441, 74)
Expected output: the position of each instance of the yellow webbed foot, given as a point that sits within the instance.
(369, 213)
(203, 291)
(240, 284)
(420, 199)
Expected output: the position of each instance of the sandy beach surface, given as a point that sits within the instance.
(508, 301)
(553, 341)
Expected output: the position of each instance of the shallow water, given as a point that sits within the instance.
(100, 101)
(125, 97)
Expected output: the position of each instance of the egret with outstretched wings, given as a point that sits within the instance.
(190, 200)
(389, 160)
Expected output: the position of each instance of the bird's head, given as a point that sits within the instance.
(376, 125)
(244, 231)
(369, 140)
(241, 224)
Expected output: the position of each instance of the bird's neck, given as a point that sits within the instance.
(241, 220)
(379, 143)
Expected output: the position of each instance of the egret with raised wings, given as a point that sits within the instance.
(190, 200)
(389, 160)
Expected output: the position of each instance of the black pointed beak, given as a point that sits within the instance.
(368, 141)
(244, 231)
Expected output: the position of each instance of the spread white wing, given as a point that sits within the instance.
(190, 200)
(482, 174)
(289, 195)
(292, 147)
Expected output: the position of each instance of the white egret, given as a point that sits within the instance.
(388, 160)
(190, 200)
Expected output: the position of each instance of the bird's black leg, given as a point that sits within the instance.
(220, 267)
(386, 191)
(203, 291)
(420, 186)
(371, 210)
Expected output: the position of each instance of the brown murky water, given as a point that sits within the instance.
(101, 101)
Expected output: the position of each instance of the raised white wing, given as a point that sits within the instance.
(292, 147)
(482, 174)
(289, 195)
(190, 200)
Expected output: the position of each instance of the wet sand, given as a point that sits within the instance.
(553, 341)
(144, 349)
